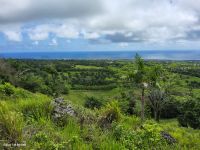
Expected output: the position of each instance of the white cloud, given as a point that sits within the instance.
(118, 21)
(28, 10)
(12, 32)
(41, 32)
(13, 36)
(123, 44)
(66, 31)
(53, 42)
(39, 35)
(90, 35)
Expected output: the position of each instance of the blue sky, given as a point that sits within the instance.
(95, 25)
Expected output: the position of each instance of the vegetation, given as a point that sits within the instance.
(92, 102)
(107, 104)
(189, 114)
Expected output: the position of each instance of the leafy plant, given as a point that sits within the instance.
(92, 102)
(147, 137)
(43, 141)
(110, 114)
(7, 89)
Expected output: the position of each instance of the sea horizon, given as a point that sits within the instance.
(112, 55)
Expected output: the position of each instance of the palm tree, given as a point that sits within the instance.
(140, 79)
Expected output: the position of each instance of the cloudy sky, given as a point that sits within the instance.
(94, 25)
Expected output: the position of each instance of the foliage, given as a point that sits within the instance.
(109, 114)
(11, 124)
(92, 102)
(8, 91)
(147, 137)
(140, 78)
(170, 109)
(157, 99)
(187, 138)
(114, 125)
(42, 141)
(34, 109)
(190, 114)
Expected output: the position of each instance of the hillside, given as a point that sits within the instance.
(99, 104)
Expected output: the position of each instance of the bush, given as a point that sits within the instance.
(110, 114)
(92, 102)
(170, 109)
(8, 91)
(127, 103)
(147, 137)
(190, 114)
(11, 124)
(43, 141)
(66, 89)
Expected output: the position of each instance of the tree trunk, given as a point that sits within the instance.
(142, 105)
(157, 116)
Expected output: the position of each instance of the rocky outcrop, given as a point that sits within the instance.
(62, 109)
(168, 137)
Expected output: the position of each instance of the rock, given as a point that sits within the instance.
(61, 110)
(168, 137)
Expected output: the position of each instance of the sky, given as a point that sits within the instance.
(99, 25)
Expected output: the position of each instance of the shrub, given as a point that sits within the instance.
(127, 103)
(110, 114)
(43, 141)
(85, 116)
(131, 107)
(147, 137)
(92, 102)
(190, 114)
(11, 124)
(7, 89)
(66, 89)
(170, 109)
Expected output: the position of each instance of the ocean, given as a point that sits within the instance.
(113, 55)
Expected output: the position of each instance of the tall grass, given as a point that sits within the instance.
(11, 124)
(35, 109)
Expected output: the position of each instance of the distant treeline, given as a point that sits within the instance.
(54, 77)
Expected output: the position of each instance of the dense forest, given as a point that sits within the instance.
(99, 104)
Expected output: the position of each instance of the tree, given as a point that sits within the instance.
(157, 99)
(7, 73)
(140, 79)
(155, 75)
(157, 95)
(190, 114)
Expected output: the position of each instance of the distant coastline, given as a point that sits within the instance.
(112, 55)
